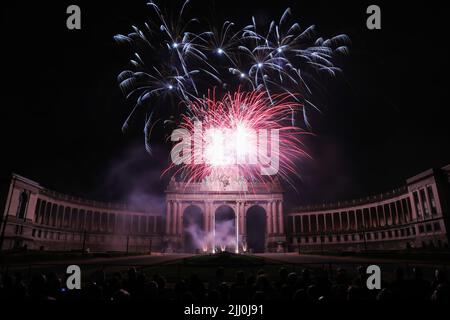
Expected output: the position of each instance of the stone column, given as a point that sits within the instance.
(180, 224)
(93, 221)
(280, 218)
(210, 217)
(428, 202)
(394, 212)
(242, 212)
(212, 225)
(269, 219)
(42, 210)
(177, 222)
(85, 221)
(237, 224)
(107, 223)
(362, 218)
(380, 215)
(75, 219)
(168, 216)
(404, 215)
(414, 213)
(173, 220)
(274, 218)
(205, 217)
(61, 221)
(348, 220)
(388, 214)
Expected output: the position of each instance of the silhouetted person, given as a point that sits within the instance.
(217, 281)
(385, 295)
(305, 279)
(121, 296)
(440, 277)
(399, 286)
(238, 290)
(300, 296)
(196, 287)
(441, 293)
(37, 287)
(340, 287)
(282, 274)
(418, 288)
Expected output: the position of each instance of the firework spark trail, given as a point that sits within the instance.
(235, 122)
(172, 60)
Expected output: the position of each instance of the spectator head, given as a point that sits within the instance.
(300, 295)
(121, 295)
(292, 279)
(213, 296)
(151, 290)
(37, 286)
(283, 273)
(354, 293)
(361, 271)
(259, 296)
(240, 277)
(180, 287)
(312, 293)
(160, 281)
(341, 277)
(262, 283)
(223, 290)
(384, 295)
(305, 274)
(440, 276)
(220, 272)
(399, 274)
(442, 293)
(94, 292)
(132, 273)
(417, 273)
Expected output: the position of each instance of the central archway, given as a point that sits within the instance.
(193, 229)
(225, 229)
(256, 229)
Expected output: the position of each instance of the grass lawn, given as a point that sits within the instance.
(30, 256)
(438, 256)
(205, 266)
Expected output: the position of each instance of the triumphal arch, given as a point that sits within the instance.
(196, 211)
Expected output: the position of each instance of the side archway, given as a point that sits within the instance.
(225, 228)
(193, 234)
(256, 229)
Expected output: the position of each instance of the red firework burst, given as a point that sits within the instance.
(244, 135)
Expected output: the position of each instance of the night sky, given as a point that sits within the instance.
(382, 121)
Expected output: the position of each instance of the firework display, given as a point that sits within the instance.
(175, 63)
(242, 130)
(214, 159)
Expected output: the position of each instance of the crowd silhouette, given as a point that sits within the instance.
(308, 286)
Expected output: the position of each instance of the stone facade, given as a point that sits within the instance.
(209, 198)
(39, 218)
(413, 216)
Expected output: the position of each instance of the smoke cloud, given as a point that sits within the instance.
(221, 239)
